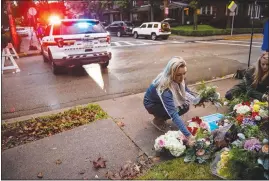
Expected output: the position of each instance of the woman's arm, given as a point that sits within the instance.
(168, 103)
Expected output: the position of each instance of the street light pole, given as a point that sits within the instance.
(12, 26)
(251, 39)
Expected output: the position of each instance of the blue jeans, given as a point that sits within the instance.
(159, 111)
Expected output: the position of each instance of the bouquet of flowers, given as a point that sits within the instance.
(171, 141)
(251, 111)
(207, 94)
(201, 151)
(195, 124)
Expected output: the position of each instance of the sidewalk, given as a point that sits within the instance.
(25, 43)
(78, 147)
(216, 37)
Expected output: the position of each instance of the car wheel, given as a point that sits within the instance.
(119, 34)
(165, 37)
(55, 69)
(45, 59)
(135, 35)
(104, 65)
(153, 36)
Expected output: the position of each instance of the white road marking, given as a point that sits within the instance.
(214, 42)
(235, 41)
(117, 43)
(141, 43)
(126, 42)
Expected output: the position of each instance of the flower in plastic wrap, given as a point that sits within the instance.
(243, 109)
(172, 141)
(203, 125)
(253, 145)
(263, 113)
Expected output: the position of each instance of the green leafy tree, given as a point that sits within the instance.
(195, 5)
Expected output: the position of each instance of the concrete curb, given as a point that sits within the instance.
(27, 117)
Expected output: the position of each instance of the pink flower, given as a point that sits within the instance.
(203, 125)
(161, 143)
(200, 152)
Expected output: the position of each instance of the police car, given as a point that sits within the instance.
(75, 42)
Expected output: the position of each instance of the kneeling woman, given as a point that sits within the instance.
(167, 97)
(255, 82)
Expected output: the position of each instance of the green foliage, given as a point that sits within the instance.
(122, 4)
(253, 131)
(239, 99)
(207, 30)
(177, 169)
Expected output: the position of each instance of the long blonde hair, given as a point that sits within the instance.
(165, 78)
(165, 81)
(258, 75)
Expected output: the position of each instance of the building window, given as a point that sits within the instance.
(134, 3)
(254, 11)
(209, 10)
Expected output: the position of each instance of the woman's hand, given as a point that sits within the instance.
(191, 140)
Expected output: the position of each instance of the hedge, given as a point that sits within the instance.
(215, 32)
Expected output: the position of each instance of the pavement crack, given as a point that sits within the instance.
(125, 133)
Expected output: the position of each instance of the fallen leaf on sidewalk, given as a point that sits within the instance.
(12, 110)
(120, 124)
(58, 162)
(100, 163)
(40, 175)
(112, 176)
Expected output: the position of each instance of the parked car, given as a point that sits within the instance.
(153, 30)
(120, 28)
(172, 22)
(75, 42)
(22, 31)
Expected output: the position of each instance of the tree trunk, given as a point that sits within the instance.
(195, 18)
(151, 13)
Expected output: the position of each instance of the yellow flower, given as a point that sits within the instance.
(256, 108)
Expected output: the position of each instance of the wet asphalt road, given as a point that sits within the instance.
(132, 68)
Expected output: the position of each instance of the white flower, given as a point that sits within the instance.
(263, 113)
(256, 101)
(243, 109)
(237, 106)
(193, 125)
(226, 121)
(258, 118)
(225, 103)
(171, 142)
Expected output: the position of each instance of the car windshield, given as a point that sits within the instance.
(81, 27)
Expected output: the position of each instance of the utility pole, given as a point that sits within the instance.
(12, 26)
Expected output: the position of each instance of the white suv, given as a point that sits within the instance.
(153, 30)
(75, 42)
